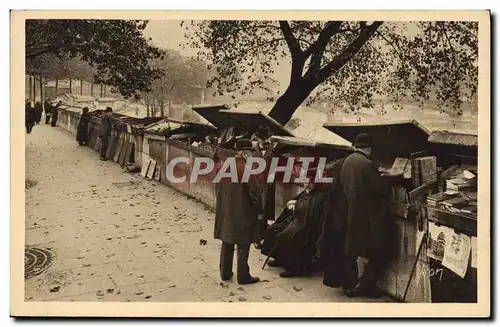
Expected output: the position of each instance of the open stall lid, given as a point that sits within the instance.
(390, 139)
(251, 120)
(214, 116)
(452, 138)
(454, 143)
(296, 141)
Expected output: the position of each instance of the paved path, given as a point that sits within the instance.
(118, 237)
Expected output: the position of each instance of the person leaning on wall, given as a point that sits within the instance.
(105, 131)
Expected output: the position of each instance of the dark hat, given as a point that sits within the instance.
(363, 141)
(109, 109)
(263, 131)
(244, 144)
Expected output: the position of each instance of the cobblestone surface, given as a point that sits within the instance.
(118, 237)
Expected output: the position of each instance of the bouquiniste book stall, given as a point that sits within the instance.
(433, 177)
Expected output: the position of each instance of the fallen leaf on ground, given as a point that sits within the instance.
(55, 289)
(242, 299)
(139, 293)
(297, 289)
(267, 297)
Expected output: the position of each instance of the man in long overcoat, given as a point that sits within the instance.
(55, 113)
(238, 213)
(47, 106)
(38, 112)
(30, 117)
(367, 214)
(105, 132)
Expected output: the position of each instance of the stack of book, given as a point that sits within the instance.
(436, 199)
(399, 194)
(453, 202)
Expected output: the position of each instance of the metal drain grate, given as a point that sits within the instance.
(36, 261)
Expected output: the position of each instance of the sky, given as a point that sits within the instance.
(168, 34)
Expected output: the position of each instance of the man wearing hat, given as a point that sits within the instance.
(237, 218)
(365, 193)
(105, 131)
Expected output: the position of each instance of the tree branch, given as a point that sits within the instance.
(318, 48)
(290, 39)
(348, 52)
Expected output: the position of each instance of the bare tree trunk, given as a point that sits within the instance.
(291, 99)
(162, 108)
(57, 82)
(92, 89)
(34, 89)
(29, 86)
(41, 89)
(101, 92)
(81, 87)
(147, 109)
(105, 91)
(70, 85)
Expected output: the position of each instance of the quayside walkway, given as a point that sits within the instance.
(107, 235)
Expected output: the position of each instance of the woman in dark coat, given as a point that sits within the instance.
(82, 135)
(237, 214)
(294, 237)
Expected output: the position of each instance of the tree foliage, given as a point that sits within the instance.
(53, 67)
(347, 61)
(115, 49)
(181, 75)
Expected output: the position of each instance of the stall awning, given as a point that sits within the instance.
(221, 117)
(454, 143)
(213, 115)
(452, 138)
(251, 120)
(390, 139)
(295, 141)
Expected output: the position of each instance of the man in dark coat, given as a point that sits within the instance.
(105, 131)
(334, 231)
(367, 213)
(82, 135)
(30, 118)
(55, 113)
(238, 212)
(38, 112)
(47, 106)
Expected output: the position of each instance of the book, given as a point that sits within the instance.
(453, 202)
(438, 197)
(415, 172)
(456, 253)
(469, 209)
(428, 169)
(399, 166)
(473, 250)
